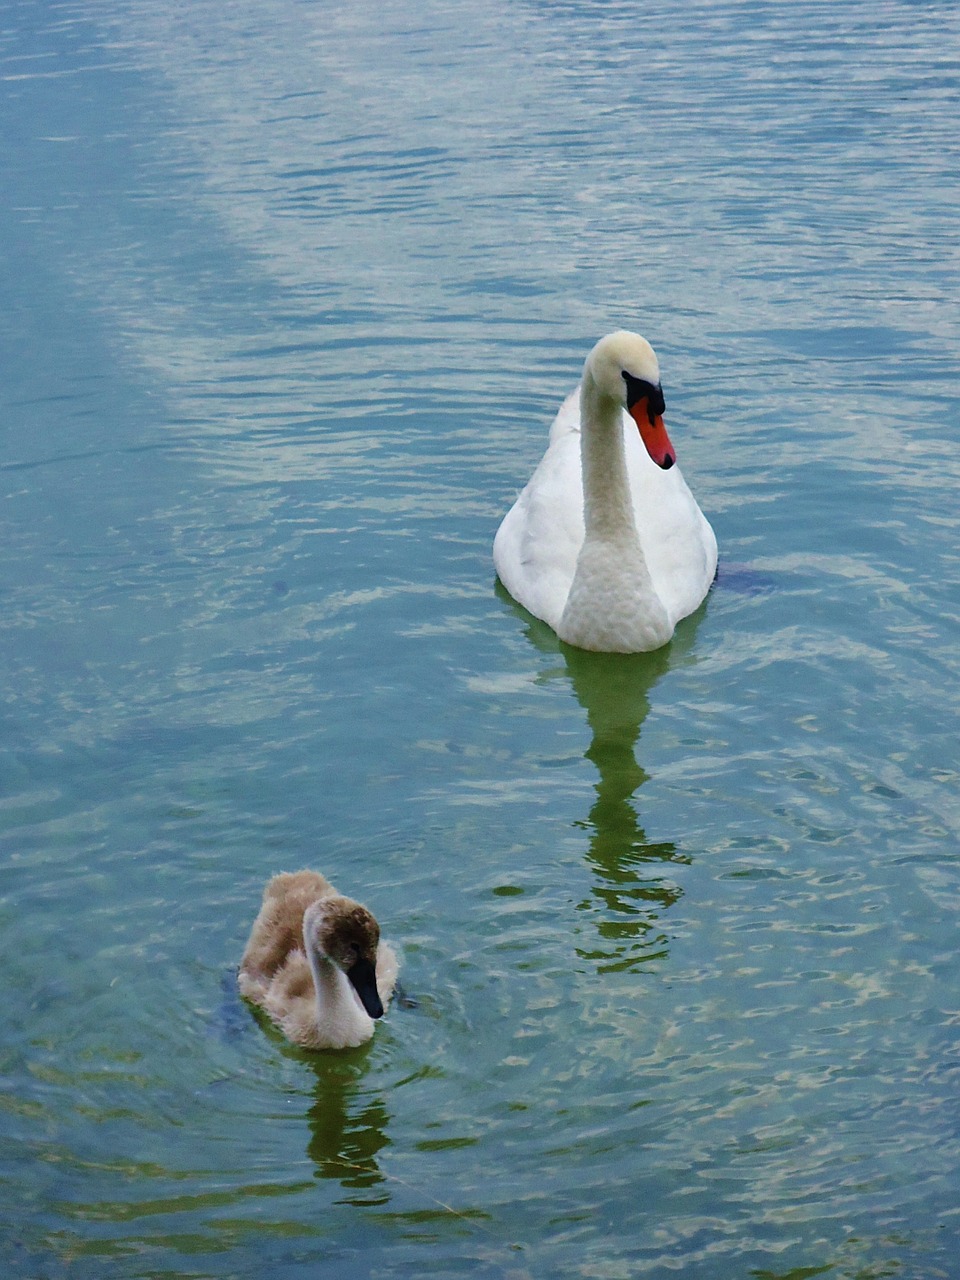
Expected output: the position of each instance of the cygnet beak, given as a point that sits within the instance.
(363, 977)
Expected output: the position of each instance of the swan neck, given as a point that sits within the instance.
(328, 982)
(607, 505)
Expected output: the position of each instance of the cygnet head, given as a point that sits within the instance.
(623, 367)
(345, 933)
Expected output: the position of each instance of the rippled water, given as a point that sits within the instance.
(290, 296)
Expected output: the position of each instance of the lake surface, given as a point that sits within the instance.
(291, 293)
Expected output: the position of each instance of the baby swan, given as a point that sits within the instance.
(315, 964)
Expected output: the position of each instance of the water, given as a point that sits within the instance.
(290, 297)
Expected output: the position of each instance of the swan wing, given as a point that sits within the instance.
(537, 545)
(678, 544)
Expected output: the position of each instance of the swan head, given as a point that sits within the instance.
(346, 934)
(623, 367)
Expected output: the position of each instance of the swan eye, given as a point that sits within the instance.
(639, 389)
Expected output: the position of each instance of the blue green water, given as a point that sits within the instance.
(290, 294)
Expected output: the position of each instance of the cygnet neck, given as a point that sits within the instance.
(333, 988)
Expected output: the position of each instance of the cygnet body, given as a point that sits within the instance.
(315, 963)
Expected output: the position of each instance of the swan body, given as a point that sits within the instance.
(606, 544)
(315, 963)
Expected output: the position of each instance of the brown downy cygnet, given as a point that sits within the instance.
(315, 963)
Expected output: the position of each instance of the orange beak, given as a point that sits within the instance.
(654, 436)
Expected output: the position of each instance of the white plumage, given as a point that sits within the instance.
(605, 544)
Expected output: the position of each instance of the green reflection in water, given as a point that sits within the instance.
(629, 895)
(348, 1129)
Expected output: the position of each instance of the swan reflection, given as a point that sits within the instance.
(348, 1123)
(348, 1127)
(632, 886)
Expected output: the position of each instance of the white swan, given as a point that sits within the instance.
(315, 963)
(606, 543)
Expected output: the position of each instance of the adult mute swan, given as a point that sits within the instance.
(606, 543)
(315, 963)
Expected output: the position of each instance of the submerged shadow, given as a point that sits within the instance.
(632, 888)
